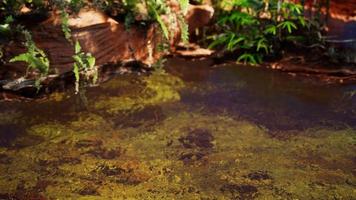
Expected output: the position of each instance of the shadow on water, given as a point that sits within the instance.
(272, 99)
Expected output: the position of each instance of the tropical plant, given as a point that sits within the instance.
(5, 28)
(255, 28)
(84, 62)
(35, 58)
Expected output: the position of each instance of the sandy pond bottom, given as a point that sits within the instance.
(192, 132)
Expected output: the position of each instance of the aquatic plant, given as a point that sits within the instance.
(159, 87)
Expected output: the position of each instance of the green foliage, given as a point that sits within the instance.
(149, 11)
(5, 28)
(84, 62)
(155, 9)
(65, 27)
(34, 57)
(184, 5)
(76, 5)
(13, 7)
(254, 28)
(184, 30)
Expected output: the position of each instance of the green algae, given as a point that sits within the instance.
(235, 163)
(159, 88)
(173, 153)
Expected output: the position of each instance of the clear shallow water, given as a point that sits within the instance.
(195, 132)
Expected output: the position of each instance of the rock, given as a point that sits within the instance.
(105, 38)
(259, 175)
(199, 16)
(200, 138)
(193, 51)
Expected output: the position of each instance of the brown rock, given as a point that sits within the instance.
(106, 39)
(199, 16)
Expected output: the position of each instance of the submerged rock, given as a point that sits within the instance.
(201, 138)
(259, 175)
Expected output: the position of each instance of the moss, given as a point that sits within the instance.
(186, 156)
(159, 88)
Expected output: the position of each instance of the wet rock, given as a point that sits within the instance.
(240, 191)
(259, 175)
(199, 16)
(201, 138)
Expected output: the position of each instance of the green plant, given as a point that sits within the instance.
(84, 62)
(255, 28)
(65, 27)
(34, 57)
(155, 9)
(5, 28)
(184, 5)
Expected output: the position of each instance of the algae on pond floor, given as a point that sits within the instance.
(155, 137)
(186, 156)
(158, 88)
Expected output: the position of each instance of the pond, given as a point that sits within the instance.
(193, 131)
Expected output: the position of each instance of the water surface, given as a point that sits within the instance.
(195, 131)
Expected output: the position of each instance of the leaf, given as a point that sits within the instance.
(302, 21)
(76, 71)
(77, 47)
(153, 9)
(262, 44)
(234, 41)
(91, 61)
(289, 25)
(271, 29)
(219, 40)
(24, 57)
(65, 27)
(184, 30)
(247, 58)
(9, 19)
(184, 5)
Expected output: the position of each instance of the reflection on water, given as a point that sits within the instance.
(195, 132)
